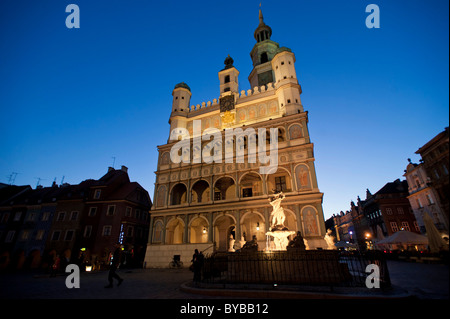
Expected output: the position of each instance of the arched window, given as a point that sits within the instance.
(224, 188)
(251, 185)
(178, 194)
(158, 232)
(200, 192)
(198, 231)
(264, 58)
(175, 232)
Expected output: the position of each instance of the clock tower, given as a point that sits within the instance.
(204, 203)
(262, 53)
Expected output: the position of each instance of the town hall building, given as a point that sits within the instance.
(219, 205)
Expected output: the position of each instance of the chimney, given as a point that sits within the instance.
(110, 169)
(124, 169)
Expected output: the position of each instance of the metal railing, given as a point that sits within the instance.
(310, 267)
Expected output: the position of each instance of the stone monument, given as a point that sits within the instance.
(330, 240)
(278, 230)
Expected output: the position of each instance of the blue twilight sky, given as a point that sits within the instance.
(71, 99)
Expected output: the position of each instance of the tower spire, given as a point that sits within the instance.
(263, 32)
(261, 18)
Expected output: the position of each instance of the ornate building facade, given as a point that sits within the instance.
(204, 200)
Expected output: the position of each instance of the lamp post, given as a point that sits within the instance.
(368, 241)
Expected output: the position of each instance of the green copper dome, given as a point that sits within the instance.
(182, 85)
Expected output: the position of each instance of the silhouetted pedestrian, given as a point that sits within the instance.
(115, 262)
(55, 266)
(197, 260)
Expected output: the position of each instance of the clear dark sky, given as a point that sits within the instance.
(71, 99)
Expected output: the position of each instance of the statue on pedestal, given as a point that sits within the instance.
(297, 242)
(251, 245)
(231, 244)
(330, 240)
(278, 231)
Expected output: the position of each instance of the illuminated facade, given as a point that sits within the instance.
(209, 206)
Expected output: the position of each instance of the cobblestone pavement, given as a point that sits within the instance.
(425, 281)
(137, 284)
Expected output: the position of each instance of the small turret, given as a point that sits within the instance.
(180, 106)
(286, 84)
(228, 77)
(181, 98)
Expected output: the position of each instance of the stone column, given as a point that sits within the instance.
(210, 228)
(299, 219)
(186, 230)
(150, 230)
(164, 230)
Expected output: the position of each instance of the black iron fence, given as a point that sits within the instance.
(310, 267)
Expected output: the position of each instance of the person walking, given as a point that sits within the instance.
(55, 266)
(115, 262)
(197, 260)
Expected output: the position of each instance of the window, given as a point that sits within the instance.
(389, 211)
(430, 199)
(92, 211)
(217, 196)
(31, 217)
(5, 218)
(87, 231)
(97, 193)
(400, 210)
(417, 183)
(74, 215)
(61, 216)
(416, 226)
(227, 79)
(394, 227)
(10, 236)
(130, 230)
(106, 230)
(25, 235)
(128, 212)
(69, 235)
(264, 57)
(45, 216)
(40, 234)
(280, 183)
(405, 226)
(247, 192)
(56, 234)
(17, 216)
(419, 203)
(282, 62)
(111, 210)
(436, 173)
